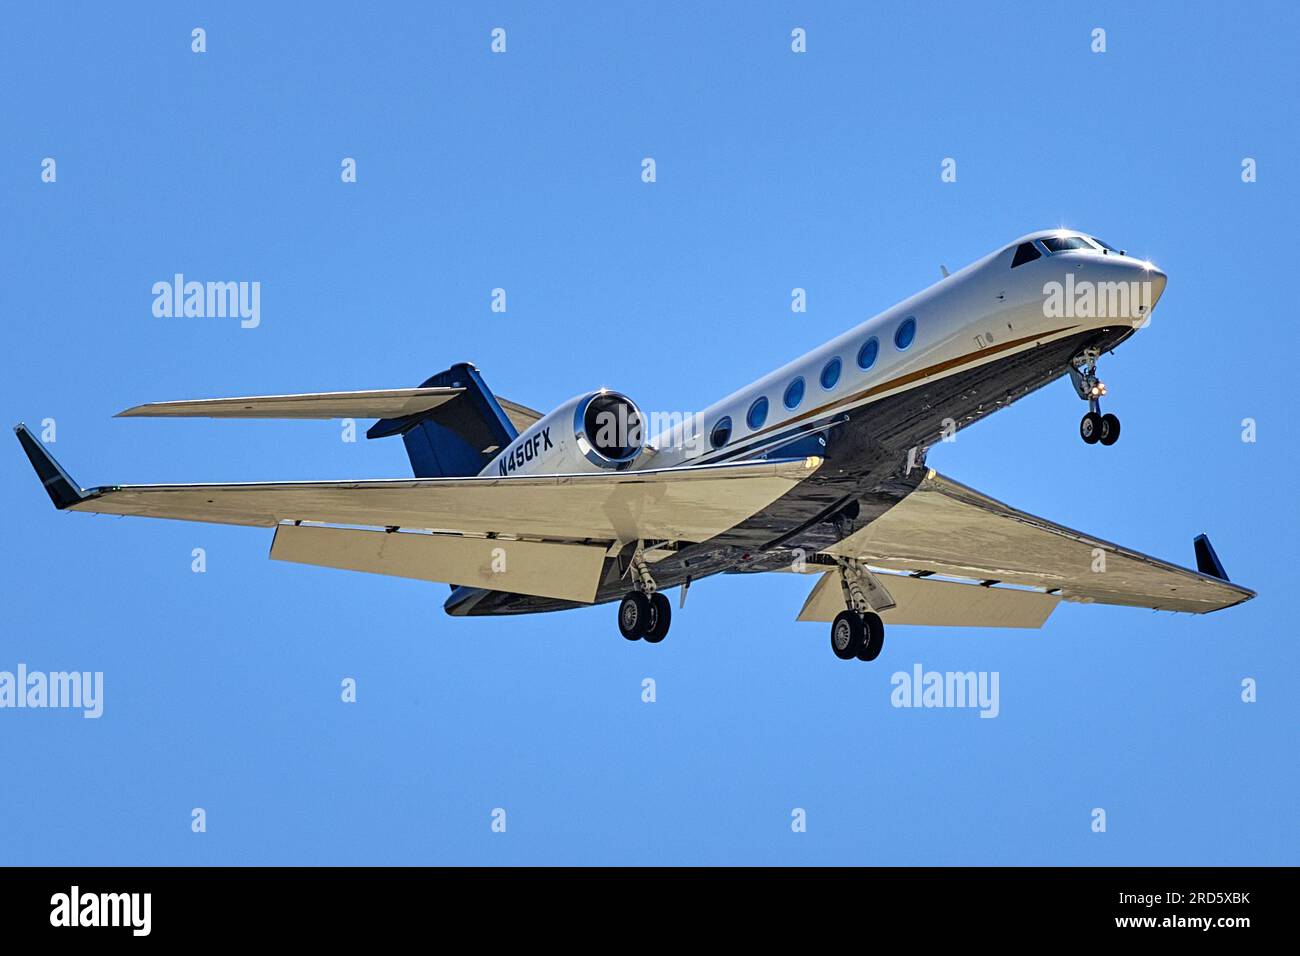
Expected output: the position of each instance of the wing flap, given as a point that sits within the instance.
(947, 528)
(569, 572)
(939, 603)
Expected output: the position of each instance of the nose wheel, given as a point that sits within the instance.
(1094, 427)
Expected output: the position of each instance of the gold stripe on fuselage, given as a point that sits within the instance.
(908, 379)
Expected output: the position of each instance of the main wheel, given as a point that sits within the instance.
(661, 615)
(1109, 429)
(633, 615)
(846, 635)
(874, 636)
(1090, 428)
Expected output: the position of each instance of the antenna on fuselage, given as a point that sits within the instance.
(944, 269)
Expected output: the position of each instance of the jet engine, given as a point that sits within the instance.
(597, 431)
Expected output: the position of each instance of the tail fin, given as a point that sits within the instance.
(458, 438)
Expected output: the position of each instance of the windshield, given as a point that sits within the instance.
(1065, 243)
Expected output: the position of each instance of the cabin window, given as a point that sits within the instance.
(794, 393)
(867, 354)
(721, 432)
(1025, 252)
(757, 414)
(830, 374)
(905, 333)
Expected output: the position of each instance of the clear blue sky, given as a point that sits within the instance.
(522, 171)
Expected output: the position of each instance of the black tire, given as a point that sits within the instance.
(633, 615)
(661, 615)
(1109, 429)
(873, 641)
(846, 635)
(1090, 428)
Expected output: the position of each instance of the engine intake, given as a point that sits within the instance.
(597, 431)
(607, 427)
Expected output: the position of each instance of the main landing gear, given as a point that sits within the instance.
(857, 635)
(644, 612)
(1094, 427)
(858, 631)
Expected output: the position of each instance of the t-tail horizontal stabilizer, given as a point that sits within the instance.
(375, 403)
(63, 491)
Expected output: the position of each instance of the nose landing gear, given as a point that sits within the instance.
(1094, 427)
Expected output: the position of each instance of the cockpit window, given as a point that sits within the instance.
(1025, 252)
(1107, 246)
(1066, 243)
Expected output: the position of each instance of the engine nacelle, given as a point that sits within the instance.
(598, 431)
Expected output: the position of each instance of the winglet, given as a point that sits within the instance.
(63, 491)
(1207, 562)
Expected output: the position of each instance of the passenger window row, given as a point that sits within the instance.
(756, 417)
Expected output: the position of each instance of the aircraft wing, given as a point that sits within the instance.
(945, 528)
(686, 504)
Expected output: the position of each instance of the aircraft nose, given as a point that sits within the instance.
(1151, 282)
(1157, 278)
(1158, 281)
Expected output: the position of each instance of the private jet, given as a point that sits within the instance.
(817, 468)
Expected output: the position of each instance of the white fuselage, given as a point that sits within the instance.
(982, 313)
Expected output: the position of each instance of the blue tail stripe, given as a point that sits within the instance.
(457, 438)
